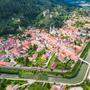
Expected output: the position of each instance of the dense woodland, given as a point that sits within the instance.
(18, 14)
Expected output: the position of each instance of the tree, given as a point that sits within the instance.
(56, 17)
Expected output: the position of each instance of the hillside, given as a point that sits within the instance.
(19, 14)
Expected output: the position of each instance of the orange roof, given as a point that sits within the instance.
(77, 48)
(3, 63)
(15, 51)
(74, 57)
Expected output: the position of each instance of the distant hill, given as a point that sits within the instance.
(11, 8)
(15, 13)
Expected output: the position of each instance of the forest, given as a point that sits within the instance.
(16, 15)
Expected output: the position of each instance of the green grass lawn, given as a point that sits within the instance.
(86, 85)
